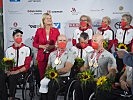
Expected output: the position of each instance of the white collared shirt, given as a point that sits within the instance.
(128, 36)
(108, 34)
(77, 33)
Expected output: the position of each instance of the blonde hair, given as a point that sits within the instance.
(128, 17)
(108, 18)
(88, 19)
(42, 24)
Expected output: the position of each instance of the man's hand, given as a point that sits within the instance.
(121, 53)
(124, 85)
(12, 72)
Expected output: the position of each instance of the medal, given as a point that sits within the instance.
(95, 65)
(90, 63)
(56, 61)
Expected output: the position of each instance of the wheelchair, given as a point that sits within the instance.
(66, 90)
(117, 96)
(26, 84)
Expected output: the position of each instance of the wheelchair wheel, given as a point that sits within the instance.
(92, 96)
(71, 92)
(27, 94)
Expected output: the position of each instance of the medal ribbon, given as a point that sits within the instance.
(59, 53)
(96, 55)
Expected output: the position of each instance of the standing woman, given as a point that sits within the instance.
(124, 37)
(44, 41)
(107, 32)
(85, 26)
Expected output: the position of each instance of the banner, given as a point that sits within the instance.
(26, 15)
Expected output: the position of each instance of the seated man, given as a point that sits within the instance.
(22, 56)
(101, 62)
(126, 79)
(80, 50)
(63, 60)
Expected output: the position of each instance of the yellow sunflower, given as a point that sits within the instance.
(7, 59)
(51, 73)
(101, 80)
(122, 46)
(105, 44)
(7, 63)
(104, 83)
(86, 76)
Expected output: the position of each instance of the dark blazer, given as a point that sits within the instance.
(128, 59)
(40, 39)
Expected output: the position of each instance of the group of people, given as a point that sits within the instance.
(87, 44)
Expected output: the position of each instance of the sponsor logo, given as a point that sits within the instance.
(120, 10)
(34, 12)
(117, 25)
(96, 24)
(57, 25)
(54, 11)
(14, 12)
(73, 24)
(33, 26)
(34, 0)
(14, 26)
(97, 10)
(74, 11)
(14, 0)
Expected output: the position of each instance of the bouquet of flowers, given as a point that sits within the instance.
(7, 63)
(51, 73)
(86, 76)
(105, 44)
(79, 62)
(104, 83)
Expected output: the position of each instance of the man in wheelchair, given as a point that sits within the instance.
(125, 85)
(80, 50)
(63, 60)
(22, 57)
(101, 62)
